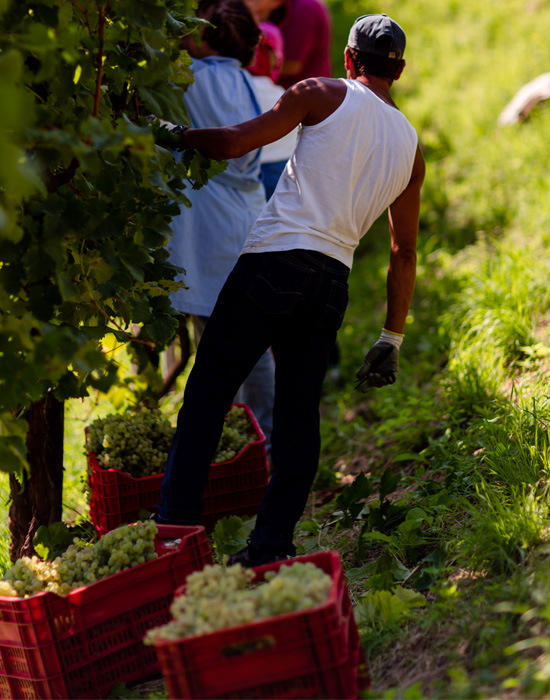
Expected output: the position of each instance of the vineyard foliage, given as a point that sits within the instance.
(86, 194)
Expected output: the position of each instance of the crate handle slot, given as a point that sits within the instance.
(175, 537)
(249, 646)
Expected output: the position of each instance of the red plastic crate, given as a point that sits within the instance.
(312, 653)
(79, 645)
(235, 487)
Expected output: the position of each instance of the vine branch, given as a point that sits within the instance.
(85, 13)
(54, 182)
(78, 193)
(99, 77)
(131, 338)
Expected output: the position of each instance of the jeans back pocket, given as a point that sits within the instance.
(332, 315)
(279, 284)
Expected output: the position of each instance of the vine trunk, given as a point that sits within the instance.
(38, 498)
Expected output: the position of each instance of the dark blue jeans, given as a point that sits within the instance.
(271, 172)
(293, 302)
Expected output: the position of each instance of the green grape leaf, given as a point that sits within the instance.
(50, 542)
(229, 535)
(13, 454)
(162, 329)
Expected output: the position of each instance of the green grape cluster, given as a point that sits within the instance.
(216, 598)
(137, 442)
(83, 562)
(237, 433)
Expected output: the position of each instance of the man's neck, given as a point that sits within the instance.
(379, 86)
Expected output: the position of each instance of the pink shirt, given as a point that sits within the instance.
(307, 35)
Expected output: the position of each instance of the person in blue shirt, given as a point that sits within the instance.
(208, 237)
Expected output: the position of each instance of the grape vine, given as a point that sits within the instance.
(86, 193)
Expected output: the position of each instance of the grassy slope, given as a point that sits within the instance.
(466, 428)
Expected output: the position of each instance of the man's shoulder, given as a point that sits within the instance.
(320, 84)
(318, 90)
(319, 96)
(215, 64)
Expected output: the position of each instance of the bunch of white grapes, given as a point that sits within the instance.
(137, 442)
(216, 598)
(237, 433)
(82, 563)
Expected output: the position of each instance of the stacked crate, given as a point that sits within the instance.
(235, 487)
(79, 645)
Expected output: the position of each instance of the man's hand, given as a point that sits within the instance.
(379, 367)
(168, 135)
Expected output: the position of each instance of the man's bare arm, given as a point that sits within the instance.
(308, 102)
(403, 217)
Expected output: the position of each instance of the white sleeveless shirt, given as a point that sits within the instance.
(344, 172)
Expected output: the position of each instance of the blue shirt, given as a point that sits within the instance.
(208, 237)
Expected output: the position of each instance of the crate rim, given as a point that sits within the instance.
(168, 532)
(257, 429)
(331, 556)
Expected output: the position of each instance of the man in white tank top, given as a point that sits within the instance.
(356, 156)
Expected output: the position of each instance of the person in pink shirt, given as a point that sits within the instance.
(306, 27)
(306, 30)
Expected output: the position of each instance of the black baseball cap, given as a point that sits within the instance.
(377, 34)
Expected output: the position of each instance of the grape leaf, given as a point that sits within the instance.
(50, 542)
(229, 535)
